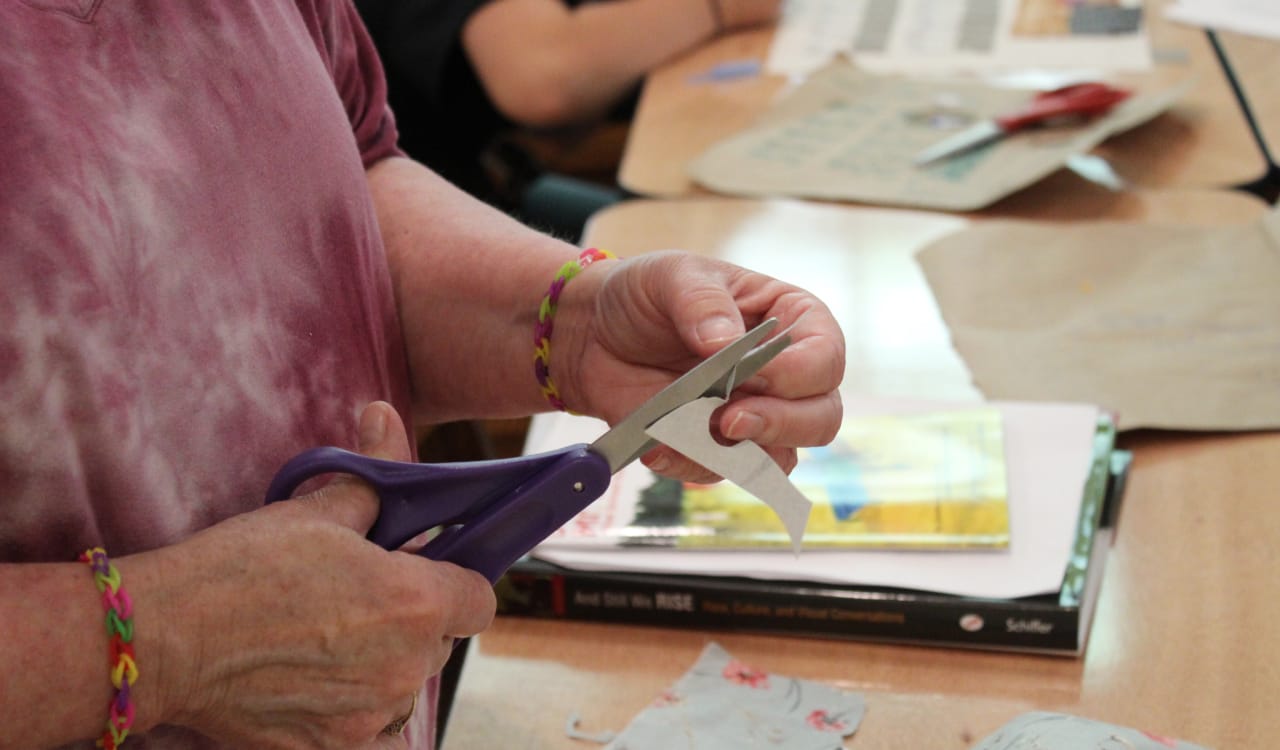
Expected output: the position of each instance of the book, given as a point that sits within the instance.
(1054, 623)
(1048, 455)
(932, 480)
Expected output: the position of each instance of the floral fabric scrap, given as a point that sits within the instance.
(724, 704)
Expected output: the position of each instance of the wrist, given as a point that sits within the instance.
(575, 316)
(158, 643)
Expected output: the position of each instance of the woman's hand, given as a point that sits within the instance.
(626, 329)
(286, 628)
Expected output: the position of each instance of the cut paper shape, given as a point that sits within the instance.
(723, 704)
(745, 463)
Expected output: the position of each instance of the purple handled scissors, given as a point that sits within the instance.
(490, 513)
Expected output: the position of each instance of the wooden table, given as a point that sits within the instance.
(1184, 640)
(1257, 68)
(1202, 142)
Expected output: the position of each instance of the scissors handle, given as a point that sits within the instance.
(1084, 99)
(490, 513)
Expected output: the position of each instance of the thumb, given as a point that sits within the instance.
(705, 313)
(348, 500)
(381, 433)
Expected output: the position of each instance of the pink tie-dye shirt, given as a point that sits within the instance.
(192, 283)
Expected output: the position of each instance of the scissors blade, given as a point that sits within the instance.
(627, 440)
(969, 138)
(750, 364)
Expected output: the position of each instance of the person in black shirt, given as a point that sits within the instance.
(461, 73)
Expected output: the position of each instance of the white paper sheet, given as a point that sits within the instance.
(811, 33)
(1255, 17)
(944, 37)
(1049, 450)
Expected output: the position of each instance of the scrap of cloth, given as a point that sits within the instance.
(724, 704)
(1043, 730)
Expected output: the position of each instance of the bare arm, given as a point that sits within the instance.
(468, 282)
(546, 64)
(56, 649)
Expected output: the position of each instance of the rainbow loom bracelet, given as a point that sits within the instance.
(546, 311)
(124, 670)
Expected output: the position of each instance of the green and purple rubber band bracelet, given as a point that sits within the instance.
(546, 316)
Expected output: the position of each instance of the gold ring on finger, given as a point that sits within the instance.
(397, 726)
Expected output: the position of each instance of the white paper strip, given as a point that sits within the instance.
(745, 464)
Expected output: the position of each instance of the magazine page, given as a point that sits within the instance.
(923, 481)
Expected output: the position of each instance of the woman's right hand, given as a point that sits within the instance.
(286, 628)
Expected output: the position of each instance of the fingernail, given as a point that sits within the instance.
(373, 426)
(718, 328)
(745, 426)
(660, 464)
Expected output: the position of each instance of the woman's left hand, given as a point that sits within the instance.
(624, 330)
